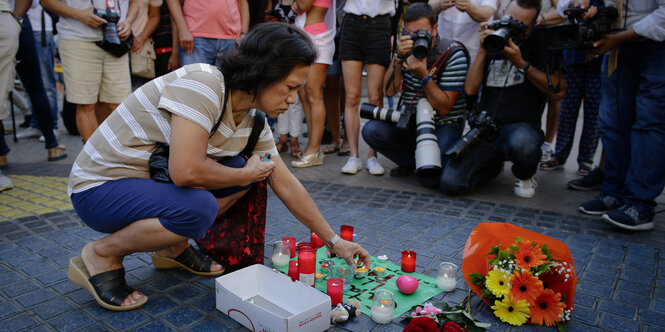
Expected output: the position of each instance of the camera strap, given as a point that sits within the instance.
(110, 4)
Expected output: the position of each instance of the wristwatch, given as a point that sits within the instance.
(330, 244)
(525, 69)
(18, 19)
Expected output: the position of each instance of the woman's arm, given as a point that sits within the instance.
(150, 27)
(291, 192)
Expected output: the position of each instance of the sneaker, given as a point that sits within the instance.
(600, 205)
(353, 166)
(374, 167)
(5, 183)
(548, 151)
(588, 182)
(29, 133)
(42, 139)
(628, 217)
(401, 171)
(525, 188)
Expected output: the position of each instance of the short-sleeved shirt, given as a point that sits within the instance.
(455, 24)
(121, 146)
(450, 78)
(142, 16)
(508, 94)
(72, 29)
(213, 19)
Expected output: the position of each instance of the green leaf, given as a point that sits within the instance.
(518, 240)
(477, 278)
(563, 327)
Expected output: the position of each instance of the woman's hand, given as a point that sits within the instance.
(137, 45)
(258, 170)
(88, 17)
(349, 250)
(124, 30)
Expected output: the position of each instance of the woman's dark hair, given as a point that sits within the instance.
(266, 56)
(419, 10)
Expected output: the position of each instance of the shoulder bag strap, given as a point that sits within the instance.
(219, 121)
(257, 128)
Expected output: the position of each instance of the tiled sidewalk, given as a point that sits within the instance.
(621, 282)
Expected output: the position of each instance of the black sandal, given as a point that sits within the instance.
(191, 260)
(108, 288)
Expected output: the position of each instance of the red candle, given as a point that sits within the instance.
(408, 261)
(293, 270)
(292, 244)
(335, 290)
(307, 264)
(346, 232)
(304, 245)
(316, 241)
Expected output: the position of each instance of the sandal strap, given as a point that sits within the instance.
(111, 286)
(195, 260)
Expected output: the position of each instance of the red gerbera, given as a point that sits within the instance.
(529, 255)
(554, 281)
(548, 308)
(525, 286)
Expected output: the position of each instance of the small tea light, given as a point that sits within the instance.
(447, 277)
(380, 266)
(318, 276)
(383, 306)
(361, 272)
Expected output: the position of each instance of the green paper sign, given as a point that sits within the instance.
(362, 289)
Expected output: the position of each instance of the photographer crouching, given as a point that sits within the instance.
(517, 73)
(431, 73)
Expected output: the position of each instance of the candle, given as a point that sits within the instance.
(382, 315)
(346, 232)
(292, 244)
(279, 259)
(361, 272)
(307, 264)
(293, 270)
(334, 289)
(380, 267)
(383, 306)
(408, 261)
(447, 277)
(316, 240)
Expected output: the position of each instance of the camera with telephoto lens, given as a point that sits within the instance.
(578, 33)
(504, 29)
(110, 28)
(422, 40)
(482, 126)
(402, 118)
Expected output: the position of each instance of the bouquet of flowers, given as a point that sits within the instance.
(440, 316)
(525, 277)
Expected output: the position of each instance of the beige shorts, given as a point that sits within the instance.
(8, 47)
(93, 75)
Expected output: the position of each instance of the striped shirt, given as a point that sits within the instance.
(121, 146)
(450, 78)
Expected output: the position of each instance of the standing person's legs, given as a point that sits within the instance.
(46, 55)
(204, 52)
(8, 47)
(375, 74)
(332, 98)
(590, 132)
(311, 97)
(352, 74)
(570, 106)
(224, 46)
(116, 85)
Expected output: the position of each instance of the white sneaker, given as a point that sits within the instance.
(29, 133)
(42, 139)
(5, 183)
(374, 166)
(353, 166)
(525, 188)
(548, 151)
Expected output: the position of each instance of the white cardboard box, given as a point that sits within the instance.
(262, 299)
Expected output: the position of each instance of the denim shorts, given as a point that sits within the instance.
(366, 39)
(187, 212)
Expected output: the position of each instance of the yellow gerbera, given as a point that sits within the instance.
(498, 283)
(510, 311)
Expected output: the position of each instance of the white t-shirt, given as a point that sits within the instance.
(73, 29)
(371, 8)
(35, 17)
(142, 17)
(457, 25)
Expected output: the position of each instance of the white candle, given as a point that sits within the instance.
(279, 259)
(382, 314)
(446, 283)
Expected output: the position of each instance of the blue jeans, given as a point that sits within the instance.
(516, 142)
(400, 145)
(207, 50)
(632, 125)
(46, 55)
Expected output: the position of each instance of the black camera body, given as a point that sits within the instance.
(482, 126)
(422, 40)
(110, 28)
(581, 34)
(505, 28)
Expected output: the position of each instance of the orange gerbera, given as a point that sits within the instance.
(529, 255)
(548, 308)
(525, 287)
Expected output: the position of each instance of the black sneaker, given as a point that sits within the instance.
(600, 205)
(592, 181)
(401, 171)
(628, 217)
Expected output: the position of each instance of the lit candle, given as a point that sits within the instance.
(346, 232)
(293, 270)
(292, 244)
(307, 264)
(316, 241)
(383, 311)
(408, 261)
(447, 277)
(335, 290)
(279, 259)
(380, 268)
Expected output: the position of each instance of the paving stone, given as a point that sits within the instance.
(621, 310)
(7, 309)
(36, 297)
(211, 325)
(154, 326)
(619, 323)
(183, 316)
(585, 314)
(65, 287)
(99, 327)
(52, 308)
(125, 319)
(186, 292)
(70, 321)
(652, 317)
(18, 322)
(20, 288)
(636, 300)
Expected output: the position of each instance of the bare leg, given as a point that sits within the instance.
(103, 110)
(375, 74)
(332, 110)
(86, 121)
(315, 109)
(553, 107)
(352, 74)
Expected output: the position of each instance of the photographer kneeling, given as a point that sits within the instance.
(516, 82)
(433, 70)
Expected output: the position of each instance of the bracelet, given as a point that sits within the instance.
(425, 80)
(18, 19)
(330, 244)
(525, 69)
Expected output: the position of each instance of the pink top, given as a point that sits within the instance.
(213, 19)
(322, 3)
